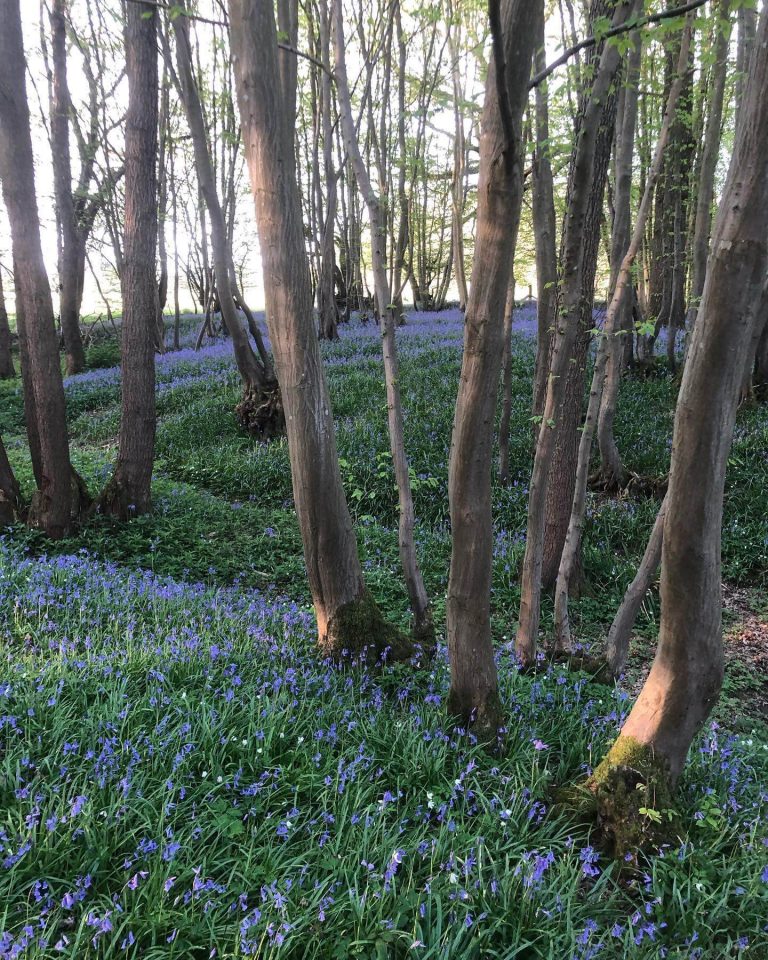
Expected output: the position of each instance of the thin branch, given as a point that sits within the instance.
(613, 32)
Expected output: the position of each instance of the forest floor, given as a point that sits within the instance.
(181, 776)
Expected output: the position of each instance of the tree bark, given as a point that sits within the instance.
(348, 620)
(709, 158)
(562, 471)
(571, 549)
(617, 644)
(612, 469)
(506, 382)
(473, 697)
(686, 675)
(326, 296)
(69, 294)
(261, 410)
(10, 496)
(544, 235)
(7, 370)
(54, 503)
(423, 629)
(554, 428)
(129, 492)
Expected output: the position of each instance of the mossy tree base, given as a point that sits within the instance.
(482, 716)
(116, 501)
(631, 798)
(261, 413)
(358, 631)
(79, 503)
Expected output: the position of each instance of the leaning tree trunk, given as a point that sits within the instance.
(69, 300)
(562, 470)
(7, 370)
(569, 322)
(686, 676)
(348, 620)
(56, 501)
(709, 158)
(423, 629)
(571, 549)
(612, 469)
(260, 410)
(620, 633)
(473, 697)
(129, 493)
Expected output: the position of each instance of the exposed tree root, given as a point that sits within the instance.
(632, 486)
(261, 413)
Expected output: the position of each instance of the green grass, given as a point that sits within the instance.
(179, 773)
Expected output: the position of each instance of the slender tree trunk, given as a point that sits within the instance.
(571, 550)
(612, 469)
(562, 471)
(7, 370)
(579, 219)
(544, 235)
(10, 496)
(69, 303)
(459, 164)
(260, 411)
(423, 629)
(55, 502)
(326, 281)
(129, 491)
(506, 382)
(348, 620)
(473, 696)
(686, 675)
(620, 634)
(709, 158)
(162, 207)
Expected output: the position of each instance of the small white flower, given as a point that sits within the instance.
(300, 740)
(205, 774)
(218, 779)
(244, 743)
(184, 695)
(453, 878)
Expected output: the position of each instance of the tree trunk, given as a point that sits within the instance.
(261, 410)
(7, 370)
(10, 497)
(69, 299)
(612, 469)
(326, 297)
(423, 629)
(581, 216)
(686, 676)
(709, 158)
(459, 164)
(571, 550)
(129, 492)
(54, 503)
(617, 644)
(348, 620)
(473, 697)
(544, 235)
(506, 382)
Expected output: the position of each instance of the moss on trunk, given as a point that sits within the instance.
(633, 797)
(359, 630)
